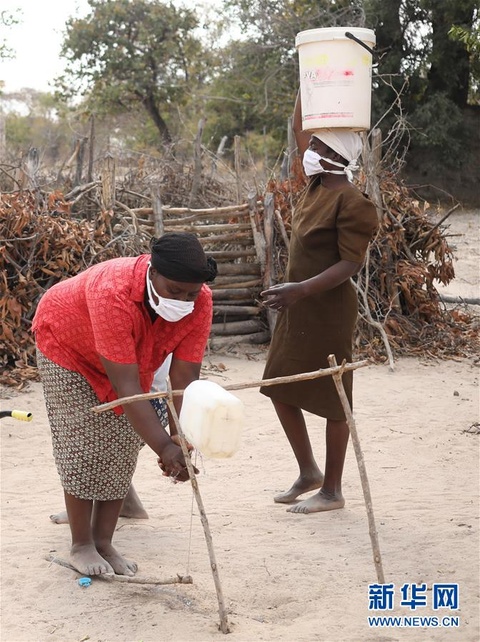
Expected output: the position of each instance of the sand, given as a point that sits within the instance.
(292, 577)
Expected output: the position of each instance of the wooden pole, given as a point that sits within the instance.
(237, 164)
(203, 516)
(157, 211)
(372, 160)
(91, 149)
(107, 196)
(238, 386)
(337, 377)
(283, 231)
(269, 271)
(197, 163)
(80, 158)
(258, 237)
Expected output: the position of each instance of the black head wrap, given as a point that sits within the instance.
(179, 256)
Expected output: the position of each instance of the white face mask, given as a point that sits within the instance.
(312, 164)
(169, 309)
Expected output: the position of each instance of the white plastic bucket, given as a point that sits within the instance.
(335, 77)
(212, 419)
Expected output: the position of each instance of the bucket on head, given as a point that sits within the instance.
(335, 77)
(211, 419)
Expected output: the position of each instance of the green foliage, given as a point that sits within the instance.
(254, 90)
(133, 53)
(471, 39)
(438, 126)
(35, 119)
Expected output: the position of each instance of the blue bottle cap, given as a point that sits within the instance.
(85, 581)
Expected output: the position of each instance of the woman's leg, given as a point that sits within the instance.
(84, 555)
(337, 437)
(310, 477)
(104, 521)
(330, 495)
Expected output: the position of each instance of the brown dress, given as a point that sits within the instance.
(328, 225)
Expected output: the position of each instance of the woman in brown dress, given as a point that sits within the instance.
(317, 306)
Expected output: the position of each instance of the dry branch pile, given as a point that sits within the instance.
(41, 244)
(396, 287)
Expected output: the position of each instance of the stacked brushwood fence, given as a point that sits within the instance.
(234, 237)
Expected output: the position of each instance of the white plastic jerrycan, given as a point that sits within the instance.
(212, 419)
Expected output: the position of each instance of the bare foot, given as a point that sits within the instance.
(320, 502)
(60, 518)
(302, 485)
(87, 560)
(132, 507)
(120, 565)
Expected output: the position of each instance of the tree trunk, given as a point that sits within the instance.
(450, 69)
(152, 110)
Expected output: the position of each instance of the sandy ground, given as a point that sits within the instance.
(298, 578)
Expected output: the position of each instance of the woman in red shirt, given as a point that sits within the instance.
(102, 335)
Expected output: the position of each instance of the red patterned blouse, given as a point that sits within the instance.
(101, 311)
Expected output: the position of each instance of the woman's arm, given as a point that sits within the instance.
(281, 296)
(141, 414)
(302, 137)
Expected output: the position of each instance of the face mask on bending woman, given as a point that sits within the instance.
(169, 309)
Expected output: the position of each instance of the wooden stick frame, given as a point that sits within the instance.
(336, 371)
(224, 627)
(337, 378)
(304, 376)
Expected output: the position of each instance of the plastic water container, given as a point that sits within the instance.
(335, 77)
(212, 419)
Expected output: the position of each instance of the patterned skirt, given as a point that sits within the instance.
(95, 454)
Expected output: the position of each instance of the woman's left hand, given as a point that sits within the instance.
(172, 463)
(279, 297)
(176, 441)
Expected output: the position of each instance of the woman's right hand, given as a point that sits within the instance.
(172, 462)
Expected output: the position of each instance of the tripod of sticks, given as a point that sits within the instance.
(336, 371)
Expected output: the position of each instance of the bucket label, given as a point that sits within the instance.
(329, 75)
